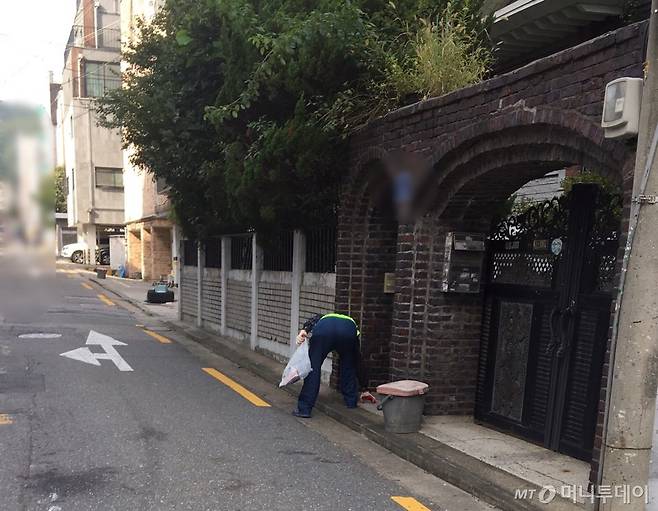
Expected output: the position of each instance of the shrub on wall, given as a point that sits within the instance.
(244, 107)
(447, 56)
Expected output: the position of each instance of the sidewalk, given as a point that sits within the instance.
(135, 291)
(485, 463)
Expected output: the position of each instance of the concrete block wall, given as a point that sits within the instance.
(211, 298)
(188, 293)
(238, 301)
(268, 319)
(317, 295)
(274, 305)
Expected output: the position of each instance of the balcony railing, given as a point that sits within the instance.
(103, 38)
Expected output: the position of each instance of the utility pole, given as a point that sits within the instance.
(628, 436)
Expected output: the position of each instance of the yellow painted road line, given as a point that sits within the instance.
(5, 419)
(157, 336)
(106, 300)
(409, 503)
(233, 385)
(86, 286)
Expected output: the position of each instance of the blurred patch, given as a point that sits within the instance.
(21, 383)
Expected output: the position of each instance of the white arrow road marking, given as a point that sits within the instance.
(107, 343)
(83, 355)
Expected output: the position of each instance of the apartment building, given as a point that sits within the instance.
(92, 154)
(150, 234)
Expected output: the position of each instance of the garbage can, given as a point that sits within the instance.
(403, 405)
(100, 273)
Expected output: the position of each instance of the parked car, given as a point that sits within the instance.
(76, 253)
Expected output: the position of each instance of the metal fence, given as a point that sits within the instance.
(105, 38)
(190, 254)
(241, 253)
(277, 255)
(321, 250)
(109, 38)
(213, 251)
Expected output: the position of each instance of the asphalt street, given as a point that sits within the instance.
(149, 428)
(126, 420)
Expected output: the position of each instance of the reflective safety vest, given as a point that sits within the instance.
(342, 316)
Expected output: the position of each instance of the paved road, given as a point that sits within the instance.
(165, 435)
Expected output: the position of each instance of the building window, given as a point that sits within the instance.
(109, 178)
(100, 78)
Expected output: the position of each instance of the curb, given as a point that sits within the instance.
(488, 483)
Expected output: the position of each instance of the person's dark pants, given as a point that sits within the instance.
(332, 334)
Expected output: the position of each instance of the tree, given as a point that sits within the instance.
(244, 107)
(45, 198)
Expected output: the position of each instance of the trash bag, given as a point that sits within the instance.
(298, 367)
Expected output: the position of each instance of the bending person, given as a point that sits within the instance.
(332, 332)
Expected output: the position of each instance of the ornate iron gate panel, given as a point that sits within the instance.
(551, 274)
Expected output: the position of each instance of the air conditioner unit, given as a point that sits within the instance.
(621, 107)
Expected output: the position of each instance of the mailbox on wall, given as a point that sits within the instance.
(464, 258)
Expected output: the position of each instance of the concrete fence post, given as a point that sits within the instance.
(256, 267)
(226, 268)
(298, 267)
(199, 285)
(177, 243)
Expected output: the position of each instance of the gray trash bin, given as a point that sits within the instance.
(403, 405)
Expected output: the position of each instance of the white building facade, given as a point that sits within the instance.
(92, 155)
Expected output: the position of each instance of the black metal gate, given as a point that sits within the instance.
(551, 274)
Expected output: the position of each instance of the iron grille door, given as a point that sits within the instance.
(545, 321)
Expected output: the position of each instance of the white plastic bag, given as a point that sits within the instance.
(298, 367)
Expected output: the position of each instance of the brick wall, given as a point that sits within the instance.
(88, 23)
(134, 249)
(147, 254)
(188, 292)
(474, 147)
(161, 251)
(211, 298)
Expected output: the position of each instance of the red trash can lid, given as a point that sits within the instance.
(403, 388)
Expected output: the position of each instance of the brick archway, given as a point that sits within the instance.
(479, 144)
(467, 176)
(485, 162)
